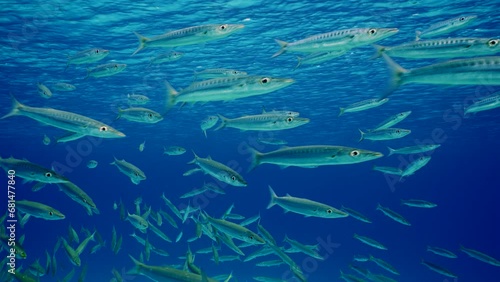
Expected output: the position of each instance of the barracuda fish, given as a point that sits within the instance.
(73, 256)
(439, 269)
(37, 269)
(445, 26)
(472, 71)
(418, 203)
(336, 40)
(225, 89)
(80, 125)
(208, 123)
(219, 171)
(312, 252)
(361, 258)
(388, 170)
(173, 150)
(8, 244)
(269, 263)
(267, 279)
(234, 230)
(350, 277)
(43, 91)
(141, 115)
(369, 242)
(37, 210)
(319, 57)
(87, 56)
(393, 120)
(357, 215)
(384, 134)
(413, 149)
(105, 70)
(361, 271)
(363, 105)
(262, 122)
(136, 174)
(488, 103)
(29, 171)
(273, 141)
(62, 86)
(480, 256)
(188, 36)
(215, 73)
(393, 215)
(442, 48)
(441, 252)
(77, 195)
(305, 207)
(414, 166)
(137, 99)
(385, 265)
(312, 156)
(166, 57)
(138, 222)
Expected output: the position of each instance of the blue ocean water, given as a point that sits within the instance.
(461, 178)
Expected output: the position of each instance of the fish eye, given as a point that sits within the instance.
(354, 153)
(233, 177)
(492, 42)
(223, 27)
(372, 31)
(150, 115)
(116, 66)
(462, 19)
(136, 174)
(251, 237)
(289, 119)
(398, 131)
(51, 213)
(48, 174)
(97, 51)
(103, 128)
(265, 80)
(329, 211)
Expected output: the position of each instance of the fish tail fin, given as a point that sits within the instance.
(379, 207)
(342, 110)
(16, 107)
(391, 151)
(298, 63)
(379, 50)
(396, 76)
(142, 42)
(223, 122)
(195, 158)
(205, 132)
(283, 46)
(137, 266)
(120, 111)
(362, 135)
(171, 95)
(417, 35)
(272, 202)
(256, 155)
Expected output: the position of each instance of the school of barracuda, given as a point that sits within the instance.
(462, 61)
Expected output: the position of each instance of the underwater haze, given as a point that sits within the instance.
(49, 42)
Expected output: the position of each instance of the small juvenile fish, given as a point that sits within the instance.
(87, 56)
(488, 103)
(439, 269)
(141, 115)
(173, 150)
(393, 215)
(219, 171)
(393, 120)
(441, 252)
(141, 146)
(357, 215)
(370, 242)
(214, 73)
(480, 256)
(46, 140)
(137, 99)
(44, 91)
(105, 70)
(61, 86)
(361, 258)
(92, 164)
(363, 105)
(413, 149)
(385, 265)
(208, 123)
(272, 141)
(137, 221)
(388, 170)
(262, 122)
(136, 175)
(384, 134)
(414, 166)
(166, 57)
(418, 203)
(445, 26)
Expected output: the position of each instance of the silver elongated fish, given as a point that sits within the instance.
(62, 86)
(80, 125)
(138, 222)
(363, 105)
(471, 71)
(393, 120)
(105, 70)
(76, 194)
(384, 134)
(439, 269)
(39, 210)
(336, 40)
(73, 256)
(388, 170)
(166, 57)
(208, 123)
(313, 156)
(357, 215)
(141, 115)
(442, 48)
(369, 241)
(488, 103)
(310, 251)
(215, 73)
(87, 56)
(305, 207)
(234, 230)
(393, 215)
(446, 26)
(441, 252)
(136, 174)
(480, 256)
(30, 171)
(418, 203)
(225, 89)
(219, 171)
(413, 149)
(262, 122)
(319, 57)
(43, 90)
(173, 150)
(137, 99)
(188, 36)
(385, 265)
(415, 165)
(350, 277)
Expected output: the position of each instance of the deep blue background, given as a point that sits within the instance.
(462, 177)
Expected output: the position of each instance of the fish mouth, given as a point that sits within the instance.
(238, 26)
(378, 155)
(120, 134)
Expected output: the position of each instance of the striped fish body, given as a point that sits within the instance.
(393, 215)
(414, 166)
(106, 70)
(393, 120)
(234, 230)
(363, 105)
(488, 103)
(446, 26)
(31, 172)
(136, 174)
(87, 56)
(219, 171)
(79, 196)
(263, 122)
(39, 210)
